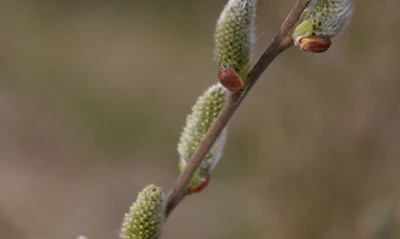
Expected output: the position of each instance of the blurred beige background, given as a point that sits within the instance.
(93, 96)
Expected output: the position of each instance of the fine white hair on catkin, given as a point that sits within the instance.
(330, 17)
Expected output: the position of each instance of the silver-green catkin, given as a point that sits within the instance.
(235, 34)
(146, 216)
(330, 17)
(203, 115)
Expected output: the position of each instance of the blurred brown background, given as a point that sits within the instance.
(93, 96)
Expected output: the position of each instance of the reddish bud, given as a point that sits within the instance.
(200, 186)
(314, 44)
(230, 79)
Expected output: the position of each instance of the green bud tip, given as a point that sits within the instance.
(321, 21)
(203, 115)
(235, 35)
(146, 216)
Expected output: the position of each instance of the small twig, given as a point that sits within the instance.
(280, 43)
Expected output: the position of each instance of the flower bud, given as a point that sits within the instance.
(235, 36)
(320, 22)
(230, 79)
(315, 44)
(203, 115)
(146, 216)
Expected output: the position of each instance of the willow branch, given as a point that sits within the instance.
(280, 43)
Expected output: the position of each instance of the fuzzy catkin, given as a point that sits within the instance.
(323, 20)
(330, 17)
(235, 34)
(204, 113)
(145, 217)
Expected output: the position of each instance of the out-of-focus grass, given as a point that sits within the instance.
(93, 97)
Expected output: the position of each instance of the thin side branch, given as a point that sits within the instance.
(280, 43)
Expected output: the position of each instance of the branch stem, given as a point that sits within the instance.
(280, 43)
